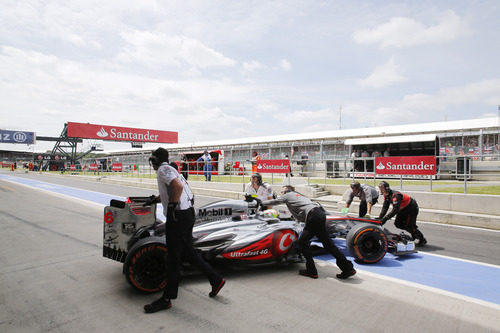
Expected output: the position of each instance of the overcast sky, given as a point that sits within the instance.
(215, 70)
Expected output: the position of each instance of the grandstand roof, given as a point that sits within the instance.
(455, 126)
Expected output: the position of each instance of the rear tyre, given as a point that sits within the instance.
(144, 267)
(367, 243)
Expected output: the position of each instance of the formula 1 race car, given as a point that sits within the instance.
(366, 239)
(233, 230)
(133, 236)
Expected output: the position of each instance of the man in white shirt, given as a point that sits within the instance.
(177, 200)
(257, 187)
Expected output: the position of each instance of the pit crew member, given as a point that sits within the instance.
(406, 210)
(257, 187)
(368, 196)
(304, 210)
(177, 200)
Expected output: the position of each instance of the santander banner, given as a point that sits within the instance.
(273, 166)
(405, 165)
(117, 167)
(115, 133)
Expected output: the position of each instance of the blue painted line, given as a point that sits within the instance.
(461, 277)
(73, 192)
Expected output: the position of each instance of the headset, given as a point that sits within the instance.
(355, 185)
(158, 156)
(257, 176)
(385, 185)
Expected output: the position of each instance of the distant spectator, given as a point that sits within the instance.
(207, 165)
(185, 168)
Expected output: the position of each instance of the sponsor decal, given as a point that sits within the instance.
(128, 228)
(115, 133)
(214, 212)
(406, 165)
(273, 166)
(271, 246)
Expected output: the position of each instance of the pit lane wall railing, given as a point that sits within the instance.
(464, 170)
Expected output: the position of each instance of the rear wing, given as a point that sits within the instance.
(121, 220)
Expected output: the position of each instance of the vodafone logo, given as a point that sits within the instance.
(102, 133)
(286, 241)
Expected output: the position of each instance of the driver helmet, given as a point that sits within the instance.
(271, 213)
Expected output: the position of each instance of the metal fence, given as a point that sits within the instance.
(462, 169)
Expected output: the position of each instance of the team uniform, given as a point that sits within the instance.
(263, 192)
(406, 210)
(304, 210)
(367, 194)
(179, 232)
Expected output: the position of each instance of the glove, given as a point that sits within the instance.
(383, 220)
(344, 211)
(152, 199)
(171, 212)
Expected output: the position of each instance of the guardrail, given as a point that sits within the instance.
(463, 170)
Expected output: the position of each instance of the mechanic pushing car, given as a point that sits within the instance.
(177, 200)
(368, 196)
(406, 210)
(304, 210)
(257, 187)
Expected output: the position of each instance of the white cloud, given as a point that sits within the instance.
(383, 76)
(404, 31)
(156, 48)
(486, 91)
(285, 65)
(252, 66)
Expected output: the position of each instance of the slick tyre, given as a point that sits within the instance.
(144, 267)
(367, 243)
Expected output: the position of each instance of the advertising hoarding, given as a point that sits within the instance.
(273, 166)
(405, 165)
(116, 133)
(27, 138)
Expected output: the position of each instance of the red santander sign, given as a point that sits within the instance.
(115, 133)
(405, 165)
(273, 166)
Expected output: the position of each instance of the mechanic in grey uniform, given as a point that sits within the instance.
(177, 200)
(304, 210)
(367, 195)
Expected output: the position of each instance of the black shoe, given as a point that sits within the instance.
(305, 272)
(216, 289)
(421, 242)
(159, 304)
(344, 275)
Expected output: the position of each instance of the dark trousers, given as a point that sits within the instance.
(363, 207)
(316, 226)
(179, 236)
(407, 219)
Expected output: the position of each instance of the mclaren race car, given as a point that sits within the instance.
(231, 230)
(133, 236)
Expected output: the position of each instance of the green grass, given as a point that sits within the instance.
(493, 190)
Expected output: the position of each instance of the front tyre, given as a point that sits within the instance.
(367, 243)
(144, 267)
